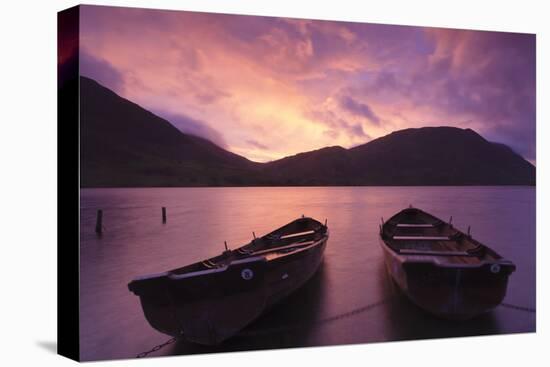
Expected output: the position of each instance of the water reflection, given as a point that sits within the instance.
(352, 276)
(407, 321)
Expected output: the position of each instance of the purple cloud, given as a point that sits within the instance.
(336, 125)
(101, 71)
(359, 109)
(191, 126)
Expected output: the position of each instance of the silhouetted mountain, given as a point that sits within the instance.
(123, 144)
(423, 156)
(325, 166)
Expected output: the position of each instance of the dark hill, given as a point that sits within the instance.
(326, 166)
(122, 145)
(441, 156)
(424, 156)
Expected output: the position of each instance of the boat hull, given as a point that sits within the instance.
(284, 276)
(211, 307)
(457, 292)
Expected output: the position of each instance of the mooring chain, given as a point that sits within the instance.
(321, 321)
(282, 328)
(156, 348)
(354, 312)
(519, 308)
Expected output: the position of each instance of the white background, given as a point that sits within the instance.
(28, 145)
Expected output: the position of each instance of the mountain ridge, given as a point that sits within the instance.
(125, 145)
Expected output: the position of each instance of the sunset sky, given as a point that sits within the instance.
(266, 87)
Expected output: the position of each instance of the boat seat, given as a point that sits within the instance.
(421, 238)
(244, 251)
(209, 264)
(298, 234)
(434, 252)
(280, 248)
(412, 225)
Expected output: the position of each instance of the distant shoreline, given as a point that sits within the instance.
(289, 186)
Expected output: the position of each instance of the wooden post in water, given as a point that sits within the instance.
(99, 222)
(163, 214)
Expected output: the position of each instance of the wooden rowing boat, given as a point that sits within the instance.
(441, 269)
(212, 300)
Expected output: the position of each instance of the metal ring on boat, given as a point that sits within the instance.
(247, 274)
(495, 268)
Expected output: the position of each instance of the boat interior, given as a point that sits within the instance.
(295, 235)
(416, 233)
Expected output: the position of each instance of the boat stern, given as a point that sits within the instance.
(459, 292)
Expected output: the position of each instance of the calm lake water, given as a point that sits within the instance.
(351, 278)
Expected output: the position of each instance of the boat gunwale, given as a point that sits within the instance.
(215, 270)
(247, 256)
(411, 260)
(433, 259)
(408, 259)
(233, 262)
(419, 258)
